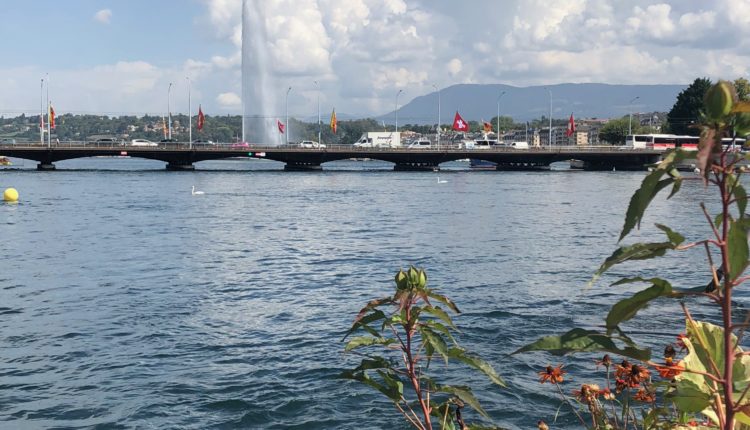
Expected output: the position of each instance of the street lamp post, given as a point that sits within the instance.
(498, 115)
(438, 123)
(318, 85)
(287, 114)
(630, 121)
(396, 111)
(169, 112)
(190, 116)
(549, 142)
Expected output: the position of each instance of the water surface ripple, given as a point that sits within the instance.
(126, 302)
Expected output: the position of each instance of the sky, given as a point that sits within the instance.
(118, 57)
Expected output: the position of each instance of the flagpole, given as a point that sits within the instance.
(318, 85)
(287, 115)
(498, 116)
(438, 123)
(549, 142)
(49, 125)
(41, 113)
(169, 113)
(396, 111)
(190, 116)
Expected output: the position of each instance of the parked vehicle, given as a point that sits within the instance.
(519, 145)
(311, 144)
(420, 144)
(379, 139)
(142, 142)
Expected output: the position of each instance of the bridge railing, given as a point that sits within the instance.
(241, 148)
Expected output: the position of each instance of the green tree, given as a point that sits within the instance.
(614, 131)
(742, 86)
(687, 110)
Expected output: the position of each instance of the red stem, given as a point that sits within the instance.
(411, 368)
(726, 304)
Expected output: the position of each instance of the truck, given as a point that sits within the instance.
(379, 139)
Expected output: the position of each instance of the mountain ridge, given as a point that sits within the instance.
(584, 100)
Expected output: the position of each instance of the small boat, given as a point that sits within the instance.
(5, 161)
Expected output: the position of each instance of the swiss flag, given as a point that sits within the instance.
(459, 124)
(571, 126)
(281, 126)
(201, 118)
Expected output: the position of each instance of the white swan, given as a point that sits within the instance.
(196, 193)
(441, 182)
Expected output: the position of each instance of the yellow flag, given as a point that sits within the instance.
(334, 124)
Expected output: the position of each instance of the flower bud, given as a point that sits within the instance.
(401, 280)
(422, 279)
(719, 100)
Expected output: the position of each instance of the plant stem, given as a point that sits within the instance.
(573, 408)
(726, 305)
(411, 368)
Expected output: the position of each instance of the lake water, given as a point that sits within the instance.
(127, 302)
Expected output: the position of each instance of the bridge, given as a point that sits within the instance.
(181, 156)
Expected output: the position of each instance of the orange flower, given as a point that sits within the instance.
(552, 374)
(645, 396)
(669, 370)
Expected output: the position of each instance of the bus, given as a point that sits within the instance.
(663, 142)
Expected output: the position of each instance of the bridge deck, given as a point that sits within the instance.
(182, 156)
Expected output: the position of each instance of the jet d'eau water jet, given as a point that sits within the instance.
(258, 101)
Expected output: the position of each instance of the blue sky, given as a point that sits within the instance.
(118, 57)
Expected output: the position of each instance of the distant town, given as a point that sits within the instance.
(228, 129)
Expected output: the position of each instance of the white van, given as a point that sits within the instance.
(520, 145)
(142, 142)
(420, 144)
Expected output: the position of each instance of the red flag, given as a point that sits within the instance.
(487, 126)
(571, 126)
(459, 124)
(281, 126)
(51, 116)
(201, 118)
(41, 123)
(164, 126)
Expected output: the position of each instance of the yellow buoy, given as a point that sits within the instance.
(10, 195)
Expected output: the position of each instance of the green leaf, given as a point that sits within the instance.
(374, 363)
(580, 340)
(361, 341)
(444, 300)
(718, 220)
(741, 196)
(651, 186)
(673, 236)
(628, 308)
(477, 363)
(434, 339)
(689, 397)
(638, 251)
(392, 387)
(363, 322)
(436, 311)
(466, 396)
(738, 249)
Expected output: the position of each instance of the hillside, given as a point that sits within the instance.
(476, 102)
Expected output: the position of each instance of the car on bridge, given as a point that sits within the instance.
(311, 144)
(142, 142)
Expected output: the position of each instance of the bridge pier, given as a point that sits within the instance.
(415, 167)
(302, 167)
(522, 166)
(45, 166)
(180, 167)
(609, 165)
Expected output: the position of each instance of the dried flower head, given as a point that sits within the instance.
(645, 396)
(669, 352)
(605, 361)
(607, 394)
(541, 425)
(587, 394)
(552, 374)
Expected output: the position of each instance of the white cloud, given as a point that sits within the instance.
(229, 100)
(103, 16)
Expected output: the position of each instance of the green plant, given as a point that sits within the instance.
(411, 331)
(711, 383)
